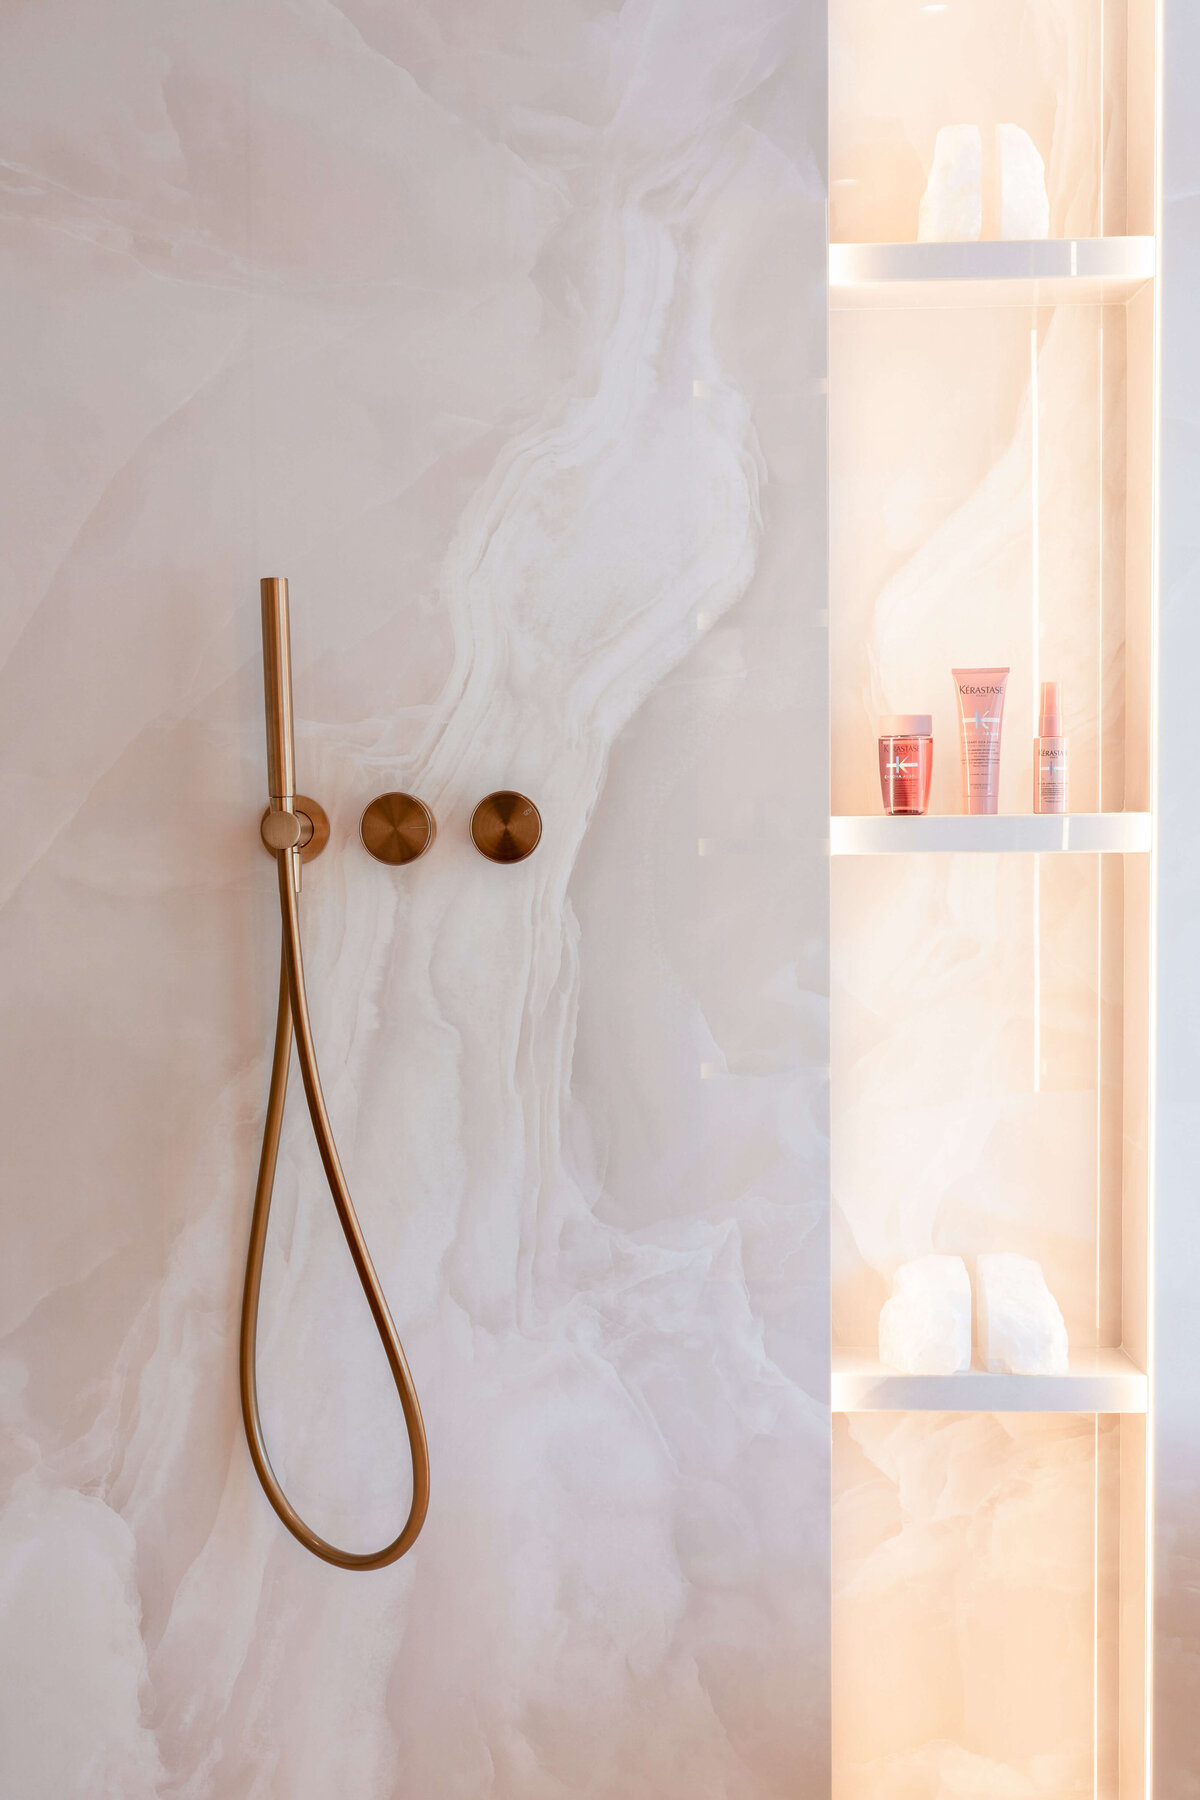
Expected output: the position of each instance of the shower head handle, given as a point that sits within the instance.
(277, 681)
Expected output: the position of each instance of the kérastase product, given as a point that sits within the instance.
(1050, 785)
(905, 762)
(980, 716)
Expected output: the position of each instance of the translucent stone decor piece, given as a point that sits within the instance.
(952, 204)
(925, 1328)
(900, 72)
(1022, 202)
(1021, 1330)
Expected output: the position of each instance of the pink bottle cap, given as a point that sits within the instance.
(906, 725)
(1050, 723)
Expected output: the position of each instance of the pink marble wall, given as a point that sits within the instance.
(499, 329)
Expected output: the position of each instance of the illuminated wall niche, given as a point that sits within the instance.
(992, 453)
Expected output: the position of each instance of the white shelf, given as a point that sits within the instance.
(952, 833)
(1037, 272)
(1099, 1381)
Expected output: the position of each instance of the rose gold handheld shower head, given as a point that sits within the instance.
(277, 684)
(283, 832)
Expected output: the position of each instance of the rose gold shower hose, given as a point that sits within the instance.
(283, 832)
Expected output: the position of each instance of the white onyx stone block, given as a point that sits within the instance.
(1021, 1330)
(925, 1327)
(1024, 205)
(952, 204)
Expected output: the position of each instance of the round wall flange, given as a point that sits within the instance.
(506, 827)
(314, 828)
(396, 828)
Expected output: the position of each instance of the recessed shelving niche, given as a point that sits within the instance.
(991, 504)
(980, 1060)
(977, 1598)
(1076, 75)
(992, 469)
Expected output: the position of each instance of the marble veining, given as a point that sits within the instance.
(500, 332)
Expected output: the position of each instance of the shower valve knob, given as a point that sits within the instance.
(506, 827)
(396, 829)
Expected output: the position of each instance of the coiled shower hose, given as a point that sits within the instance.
(293, 1014)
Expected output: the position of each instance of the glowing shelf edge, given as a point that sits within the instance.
(1009, 833)
(1040, 271)
(1099, 1381)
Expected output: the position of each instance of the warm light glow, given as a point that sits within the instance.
(991, 447)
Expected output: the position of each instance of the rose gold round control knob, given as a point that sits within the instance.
(506, 827)
(397, 829)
